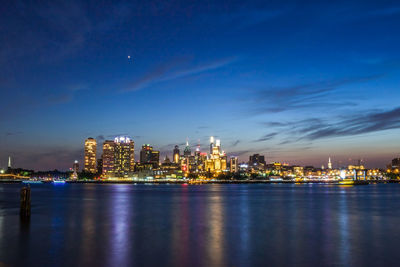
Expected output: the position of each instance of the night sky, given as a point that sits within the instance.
(297, 81)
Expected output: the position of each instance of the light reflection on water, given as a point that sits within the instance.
(202, 225)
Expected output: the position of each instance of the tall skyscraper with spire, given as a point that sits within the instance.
(329, 163)
(217, 159)
(9, 162)
(211, 144)
(187, 152)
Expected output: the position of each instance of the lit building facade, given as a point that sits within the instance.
(329, 164)
(75, 166)
(149, 156)
(90, 155)
(216, 163)
(257, 162)
(75, 170)
(124, 156)
(187, 152)
(108, 158)
(155, 157)
(234, 164)
(176, 155)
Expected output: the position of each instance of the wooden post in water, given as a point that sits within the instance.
(25, 210)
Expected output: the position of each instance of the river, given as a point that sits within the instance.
(202, 225)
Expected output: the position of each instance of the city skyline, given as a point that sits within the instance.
(101, 157)
(296, 82)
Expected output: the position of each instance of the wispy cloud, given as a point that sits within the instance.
(304, 96)
(175, 69)
(235, 143)
(340, 126)
(266, 137)
(239, 153)
(12, 133)
(373, 121)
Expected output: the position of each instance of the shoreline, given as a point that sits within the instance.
(361, 182)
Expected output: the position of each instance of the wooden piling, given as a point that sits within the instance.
(25, 210)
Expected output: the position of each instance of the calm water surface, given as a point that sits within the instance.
(202, 225)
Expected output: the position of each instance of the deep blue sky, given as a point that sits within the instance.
(297, 81)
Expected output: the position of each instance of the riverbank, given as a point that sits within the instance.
(194, 182)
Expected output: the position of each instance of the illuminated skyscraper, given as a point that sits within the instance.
(145, 153)
(257, 161)
(329, 163)
(234, 164)
(149, 156)
(75, 166)
(176, 154)
(108, 157)
(124, 156)
(218, 144)
(197, 152)
(75, 170)
(90, 155)
(187, 152)
(217, 160)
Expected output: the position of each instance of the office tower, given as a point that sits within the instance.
(149, 156)
(145, 153)
(217, 159)
(395, 163)
(234, 164)
(124, 156)
(176, 154)
(108, 157)
(155, 158)
(216, 149)
(218, 144)
(211, 144)
(197, 152)
(99, 166)
(75, 169)
(90, 155)
(75, 166)
(9, 162)
(256, 159)
(187, 152)
(329, 163)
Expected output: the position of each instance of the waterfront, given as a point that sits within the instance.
(202, 225)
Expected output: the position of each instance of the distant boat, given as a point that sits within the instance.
(346, 182)
(32, 182)
(353, 182)
(58, 182)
